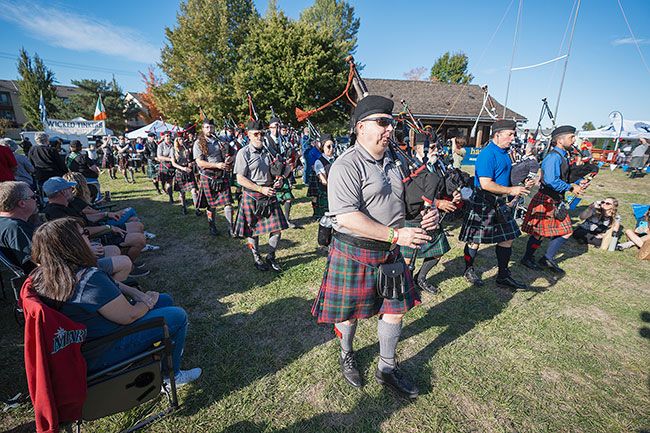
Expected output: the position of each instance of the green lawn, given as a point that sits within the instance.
(569, 356)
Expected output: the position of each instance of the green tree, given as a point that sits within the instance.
(200, 57)
(336, 16)
(588, 126)
(290, 64)
(35, 78)
(451, 68)
(83, 103)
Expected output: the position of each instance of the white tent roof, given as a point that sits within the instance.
(157, 127)
(632, 129)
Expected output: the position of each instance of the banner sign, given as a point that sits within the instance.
(471, 153)
(74, 127)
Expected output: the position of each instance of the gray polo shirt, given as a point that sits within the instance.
(254, 164)
(214, 152)
(165, 150)
(359, 183)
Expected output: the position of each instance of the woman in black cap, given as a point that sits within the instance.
(318, 178)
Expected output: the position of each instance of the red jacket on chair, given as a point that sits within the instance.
(56, 370)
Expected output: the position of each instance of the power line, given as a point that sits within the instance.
(634, 39)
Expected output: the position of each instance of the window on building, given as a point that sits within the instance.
(7, 114)
(5, 99)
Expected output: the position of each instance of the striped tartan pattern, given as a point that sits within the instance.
(540, 218)
(214, 197)
(123, 160)
(248, 224)
(152, 169)
(284, 192)
(349, 287)
(184, 181)
(166, 172)
(480, 225)
(438, 246)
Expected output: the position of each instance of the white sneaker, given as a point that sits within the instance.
(149, 235)
(150, 247)
(185, 376)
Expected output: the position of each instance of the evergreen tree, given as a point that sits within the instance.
(200, 57)
(35, 78)
(451, 68)
(588, 126)
(336, 16)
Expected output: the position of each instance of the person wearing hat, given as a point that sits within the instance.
(108, 156)
(489, 220)
(544, 218)
(366, 202)
(279, 145)
(215, 161)
(259, 211)
(24, 168)
(150, 152)
(166, 170)
(46, 160)
(317, 188)
(124, 150)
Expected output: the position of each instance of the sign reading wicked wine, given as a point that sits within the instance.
(74, 127)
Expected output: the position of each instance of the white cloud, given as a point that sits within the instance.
(630, 41)
(80, 33)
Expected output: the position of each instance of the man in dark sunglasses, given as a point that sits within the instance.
(366, 202)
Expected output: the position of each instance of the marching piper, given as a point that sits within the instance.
(279, 144)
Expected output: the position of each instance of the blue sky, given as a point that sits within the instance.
(82, 39)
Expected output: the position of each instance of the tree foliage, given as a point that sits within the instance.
(588, 126)
(451, 68)
(336, 16)
(200, 58)
(290, 64)
(35, 78)
(83, 103)
(415, 74)
(151, 82)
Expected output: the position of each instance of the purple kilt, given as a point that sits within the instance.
(349, 287)
(213, 191)
(184, 181)
(540, 218)
(248, 224)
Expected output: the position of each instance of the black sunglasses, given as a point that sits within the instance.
(384, 122)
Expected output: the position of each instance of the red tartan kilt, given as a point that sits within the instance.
(540, 219)
(248, 224)
(214, 197)
(165, 172)
(349, 287)
(184, 181)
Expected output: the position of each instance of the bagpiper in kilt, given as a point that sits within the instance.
(124, 150)
(150, 152)
(166, 170)
(277, 141)
(215, 161)
(318, 179)
(108, 157)
(259, 210)
(489, 219)
(184, 180)
(547, 215)
(366, 203)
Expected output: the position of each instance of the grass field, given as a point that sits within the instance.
(571, 355)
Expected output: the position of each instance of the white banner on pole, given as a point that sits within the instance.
(74, 127)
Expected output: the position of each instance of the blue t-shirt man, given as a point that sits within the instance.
(493, 162)
(552, 168)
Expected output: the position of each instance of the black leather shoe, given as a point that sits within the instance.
(472, 276)
(530, 263)
(350, 370)
(398, 382)
(213, 230)
(426, 286)
(270, 260)
(510, 283)
(546, 263)
(260, 265)
(184, 210)
(197, 212)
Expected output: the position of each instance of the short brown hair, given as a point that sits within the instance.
(11, 192)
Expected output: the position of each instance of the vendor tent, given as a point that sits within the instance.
(632, 129)
(157, 127)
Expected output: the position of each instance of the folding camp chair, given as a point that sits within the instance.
(16, 279)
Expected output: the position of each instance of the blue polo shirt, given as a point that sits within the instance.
(493, 162)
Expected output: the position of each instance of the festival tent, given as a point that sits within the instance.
(157, 127)
(632, 129)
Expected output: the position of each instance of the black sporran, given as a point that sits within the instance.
(324, 234)
(264, 206)
(391, 280)
(561, 210)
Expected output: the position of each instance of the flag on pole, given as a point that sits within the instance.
(100, 111)
(41, 109)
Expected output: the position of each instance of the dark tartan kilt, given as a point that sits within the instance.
(248, 224)
(321, 206)
(166, 172)
(123, 161)
(184, 181)
(210, 196)
(540, 218)
(108, 161)
(314, 186)
(480, 225)
(349, 287)
(284, 192)
(438, 246)
(152, 169)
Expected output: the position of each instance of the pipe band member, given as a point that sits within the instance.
(542, 219)
(366, 203)
(319, 173)
(150, 151)
(259, 211)
(184, 180)
(215, 161)
(166, 170)
(489, 220)
(277, 140)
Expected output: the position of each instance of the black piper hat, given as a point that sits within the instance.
(207, 121)
(274, 119)
(255, 125)
(561, 130)
(326, 137)
(372, 104)
(504, 125)
(151, 134)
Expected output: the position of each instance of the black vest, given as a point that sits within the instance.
(564, 175)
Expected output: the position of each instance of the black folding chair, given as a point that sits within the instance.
(16, 280)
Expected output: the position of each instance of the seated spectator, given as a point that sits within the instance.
(24, 169)
(46, 159)
(59, 194)
(638, 236)
(68, 278)
(600, 220)
(17, 205)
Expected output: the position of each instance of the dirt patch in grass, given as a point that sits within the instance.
(594, 315)
(481, 417)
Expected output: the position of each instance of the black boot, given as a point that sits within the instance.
(529, 262)
(350, 370)
(270, 260)
(213, 228)
(170, 192)
(157, 187)
(259, 263)
(398, 382)
(472, 277)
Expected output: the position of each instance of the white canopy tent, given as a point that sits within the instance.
(157, 127)
(632, 129)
